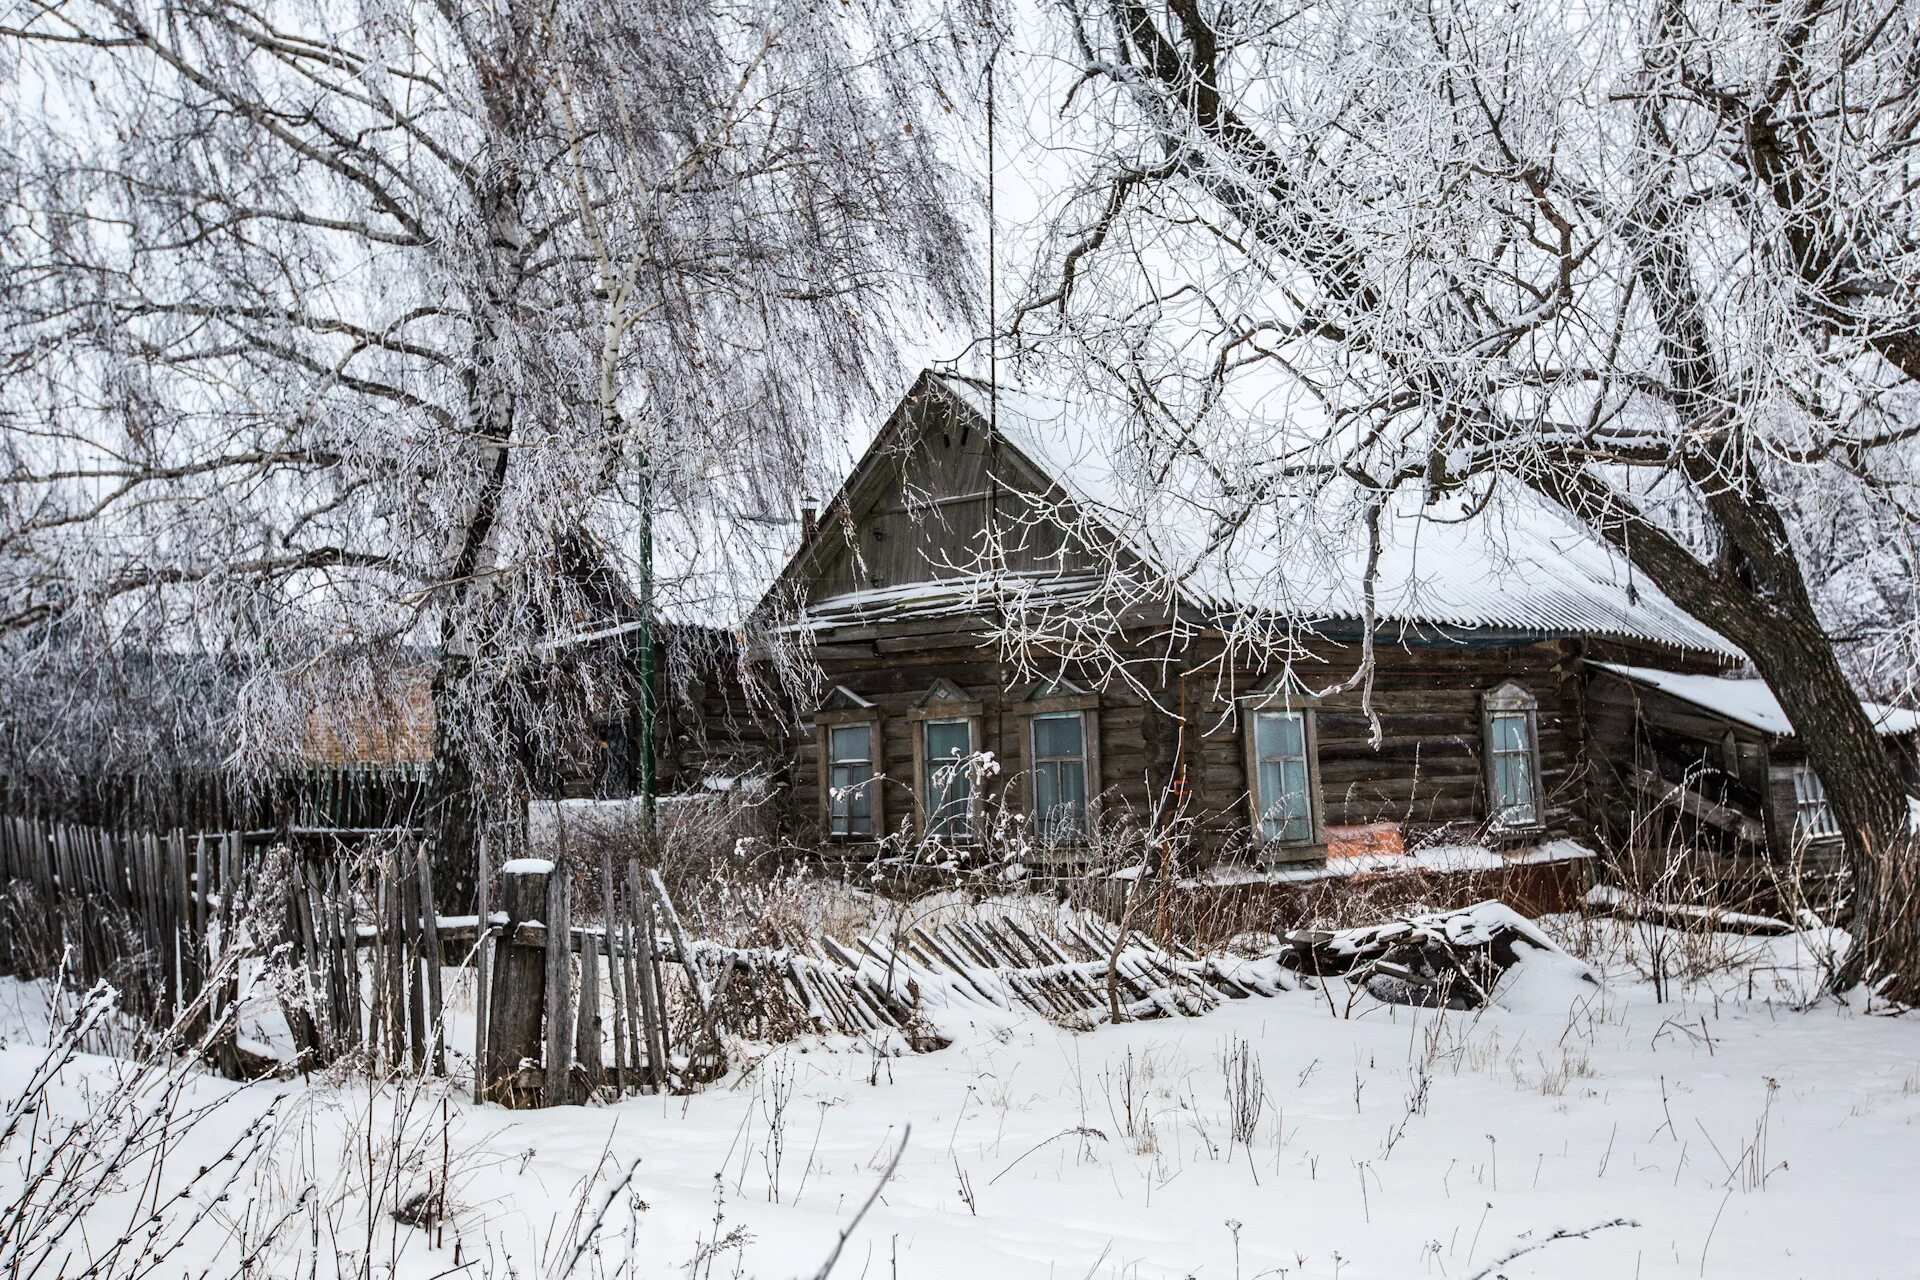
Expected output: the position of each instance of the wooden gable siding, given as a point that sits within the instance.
(920, 513)
(1427, 775)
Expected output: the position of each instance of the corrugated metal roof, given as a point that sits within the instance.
(1514, 561)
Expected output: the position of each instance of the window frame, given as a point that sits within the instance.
(1279, 696)
(1078, 833)
(1061, 697)
(1316, 837)
(945, 702)
(865, 789)
(842, 707)
(1810, 797)
(1508, 700)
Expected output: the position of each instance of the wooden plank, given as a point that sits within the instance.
(413, 909)
(430, 946)
(610, 915)
(482, 961)
(702, 1000)
(646, 976)
(517, 1001)
(587, 1031)
(559, 1000)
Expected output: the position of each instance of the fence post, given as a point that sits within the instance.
(559, 1056)
(517, 1000)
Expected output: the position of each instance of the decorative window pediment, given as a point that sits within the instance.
(841, 698)
(1510, 733)
(1510, 697)
(944, 700)
(1054, 687)
(1057, 693)
(1281, 691)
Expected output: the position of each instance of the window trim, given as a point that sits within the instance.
(945, 701)
(1810, 796)
(871, 788)
(1089, 760)
(1315, 842)
(1506, 699)
(843, 706)
(923, 771)
(1056, 697)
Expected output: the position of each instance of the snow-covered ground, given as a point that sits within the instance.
(1729, 1133)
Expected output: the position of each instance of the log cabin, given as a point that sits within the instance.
(1023, 631)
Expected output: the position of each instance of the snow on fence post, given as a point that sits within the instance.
(517, 1000)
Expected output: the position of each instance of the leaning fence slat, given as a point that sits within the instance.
(703, 1003)
(430, 947)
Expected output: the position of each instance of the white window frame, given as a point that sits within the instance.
(1512, 701)
(845, 707)
(1812, 814)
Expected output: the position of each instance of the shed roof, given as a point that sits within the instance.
(1747, 700)
(1516, 562)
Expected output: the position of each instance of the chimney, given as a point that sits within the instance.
(809, 521)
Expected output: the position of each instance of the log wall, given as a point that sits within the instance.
(1426, 773)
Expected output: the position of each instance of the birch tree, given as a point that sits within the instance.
(1656, 259)
(340, 332)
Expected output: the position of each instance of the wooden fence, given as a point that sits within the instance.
(178, 922)
(182, 925)
(633, 1012)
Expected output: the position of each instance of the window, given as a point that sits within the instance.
(1812, 818)
(1060, 775)
(947, 746)
(1282, 781)
(852, 766)
(1513, 757)
(850, 779)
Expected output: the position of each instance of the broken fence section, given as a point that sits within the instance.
(1070, 969)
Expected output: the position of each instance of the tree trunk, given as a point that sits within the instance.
(1756, 596)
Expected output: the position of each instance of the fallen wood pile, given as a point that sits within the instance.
(1604, 899)
(978, 962)
(1450, 959)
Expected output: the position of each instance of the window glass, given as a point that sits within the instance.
(1812, 817)
(849, 779)
(1060, 775)
(1515, 803)
(1282, 780)
(947, 746)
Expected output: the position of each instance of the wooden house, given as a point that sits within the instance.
(1020, 626)
(1714, 758)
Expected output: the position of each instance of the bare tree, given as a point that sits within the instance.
(1656, 262)
(340, 333)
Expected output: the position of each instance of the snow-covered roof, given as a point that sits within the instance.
(1747, 700)
(949, 598)
(1515, 562)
